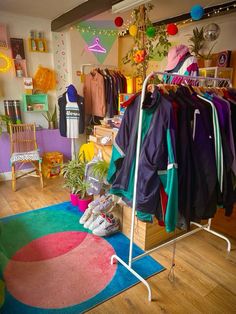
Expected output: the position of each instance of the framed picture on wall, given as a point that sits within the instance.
(4, 42)
(17, 48)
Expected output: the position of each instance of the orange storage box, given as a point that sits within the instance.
(52, 164)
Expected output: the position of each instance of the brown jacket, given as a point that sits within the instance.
(94, 94)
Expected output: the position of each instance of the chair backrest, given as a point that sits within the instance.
(22, 137)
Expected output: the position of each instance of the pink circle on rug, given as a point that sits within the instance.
(64, 280)
(49, 246)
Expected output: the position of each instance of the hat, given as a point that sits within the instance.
(175, 54)
(72, 93)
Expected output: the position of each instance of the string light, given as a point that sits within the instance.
(96, 31)
(212, 13)
(125, 28)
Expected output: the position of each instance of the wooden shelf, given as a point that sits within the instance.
(38, 102)
(37, 45)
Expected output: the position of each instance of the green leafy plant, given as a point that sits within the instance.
(197, 41)
(100, 170)
(208, 56)
(4, 122)
(73, 173)
(82, 188)
(51, 117)
(146, 46)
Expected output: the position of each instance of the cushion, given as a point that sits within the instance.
(23, 156)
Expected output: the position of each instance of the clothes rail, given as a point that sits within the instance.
(199, 227)
(91, 65)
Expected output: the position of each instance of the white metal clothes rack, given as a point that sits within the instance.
(206, 227)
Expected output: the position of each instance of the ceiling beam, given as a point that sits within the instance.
(82, 12)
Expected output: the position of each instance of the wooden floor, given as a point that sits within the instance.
(205, 275)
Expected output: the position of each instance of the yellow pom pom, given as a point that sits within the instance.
(133, 30)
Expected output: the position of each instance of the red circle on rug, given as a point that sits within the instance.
(49, 246)
(64, 279)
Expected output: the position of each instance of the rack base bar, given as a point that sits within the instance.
(215, 233)
(134, 273)
(167, 243)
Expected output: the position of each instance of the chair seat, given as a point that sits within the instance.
(25, 156)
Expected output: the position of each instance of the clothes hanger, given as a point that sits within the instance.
(96, 47)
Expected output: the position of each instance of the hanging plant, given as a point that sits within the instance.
(148, 41)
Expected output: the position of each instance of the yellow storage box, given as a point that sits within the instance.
(52, 164)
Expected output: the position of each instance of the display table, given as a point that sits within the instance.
(47, 140)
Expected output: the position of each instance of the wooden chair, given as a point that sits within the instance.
(24, 150)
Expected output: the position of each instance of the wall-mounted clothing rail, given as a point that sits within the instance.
(91, 65)
(206, 227)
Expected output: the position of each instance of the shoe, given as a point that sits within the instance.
(99, 220)
(97, 201)
(85, 215)
(103, 206)
(108, 227)
(90, 220)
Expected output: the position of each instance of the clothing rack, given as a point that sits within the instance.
(90, 65)
(199, 227)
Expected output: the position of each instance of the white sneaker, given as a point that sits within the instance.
(99, 220)
(90, 220)
(85, 215)
(107, 227)
(103, 207)
(97, 201)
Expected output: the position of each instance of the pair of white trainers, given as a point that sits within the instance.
(97, 219)
(102, 204)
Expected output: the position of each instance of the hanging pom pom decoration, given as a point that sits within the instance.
(151, 32)
(139, 56)
(133, 30)
(197, 12)
(118, 21)
(172, 29)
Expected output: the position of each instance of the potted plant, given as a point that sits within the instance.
(208, 57)
(4, 122)
(197, 41)
(51, 118)
(83, 199)
(72, 172)
(100, 170)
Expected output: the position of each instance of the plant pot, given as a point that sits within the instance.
(51, 125)
(74, 199)
(83, 203)
(207, 63)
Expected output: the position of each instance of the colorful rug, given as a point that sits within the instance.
(52, 265)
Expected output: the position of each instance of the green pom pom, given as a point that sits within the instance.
(151, 31)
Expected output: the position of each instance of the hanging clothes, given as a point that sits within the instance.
(191, 130)
(94, 94)
(101, 89)
(151, 174)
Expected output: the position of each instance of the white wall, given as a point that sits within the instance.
(11, 87)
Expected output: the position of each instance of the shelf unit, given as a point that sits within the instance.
(35, 102)
(220, 72)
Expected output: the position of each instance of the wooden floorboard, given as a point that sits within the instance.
(205, 275)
